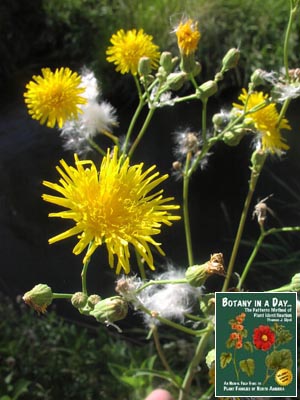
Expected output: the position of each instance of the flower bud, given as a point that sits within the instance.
(257, 160)
(166, 61)
(144, 67)
(110, 309)
(176, 80)
(233, 138)
(79, 299)
(208, 89)
(230, 59)
(197, 69)
(39, 298)
(220, 120)
(92, 300)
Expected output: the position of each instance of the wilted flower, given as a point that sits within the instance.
(112, 206)
(54, 97)
(129, 47)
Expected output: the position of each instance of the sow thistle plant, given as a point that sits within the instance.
(121, 205)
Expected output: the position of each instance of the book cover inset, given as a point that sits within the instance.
(256, 344)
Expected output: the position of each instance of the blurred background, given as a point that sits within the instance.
(75, 33)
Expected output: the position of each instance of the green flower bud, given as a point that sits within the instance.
(257, 160)
(39, 298)
(110, 309)
(166, 61)
(233, 138)
(176, 80)
(220, 120)
(197, 69)
(230, 59)
(93, 299)
(144, 67)
(208, 89)
(196, 275)
(79, 300)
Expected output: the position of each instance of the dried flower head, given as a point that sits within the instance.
(129, 47)
(112, 206)
(54, 97)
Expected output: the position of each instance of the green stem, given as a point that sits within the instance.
(255, 173)
(258, 244)
(95, 146)
(186, 216)
(132, 124)
(142, 131)
(62, 295)
(292, 16)
(161, 355)
(204, 118)
(84, 272)
(194, 364)
(168, 322)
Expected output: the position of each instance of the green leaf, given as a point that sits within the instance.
(247, 366)
(225, 359)
(248, 346)
(21, 386)
(5, 397)
(279, 359)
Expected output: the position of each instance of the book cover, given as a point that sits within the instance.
(256, 344)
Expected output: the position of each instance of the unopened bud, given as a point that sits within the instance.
(208, 89)
(233, 138)
(176, 80)
(110, 309)
(230, 59)
(166, 61)
(257, 160)
(220, 120)
(79, 300)
(93, 299)
(144, 66)
(197, 68)
(39, 298)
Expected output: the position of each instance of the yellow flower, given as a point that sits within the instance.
(265, 120)
(54, 96)
(112, 206)
(129, 47)
(188, 37)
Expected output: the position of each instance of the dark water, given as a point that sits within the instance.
(29, 153)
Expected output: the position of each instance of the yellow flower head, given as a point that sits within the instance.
(54, 96)
(265, 120)
(114, 206)
(129, 47)
(188, 36)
